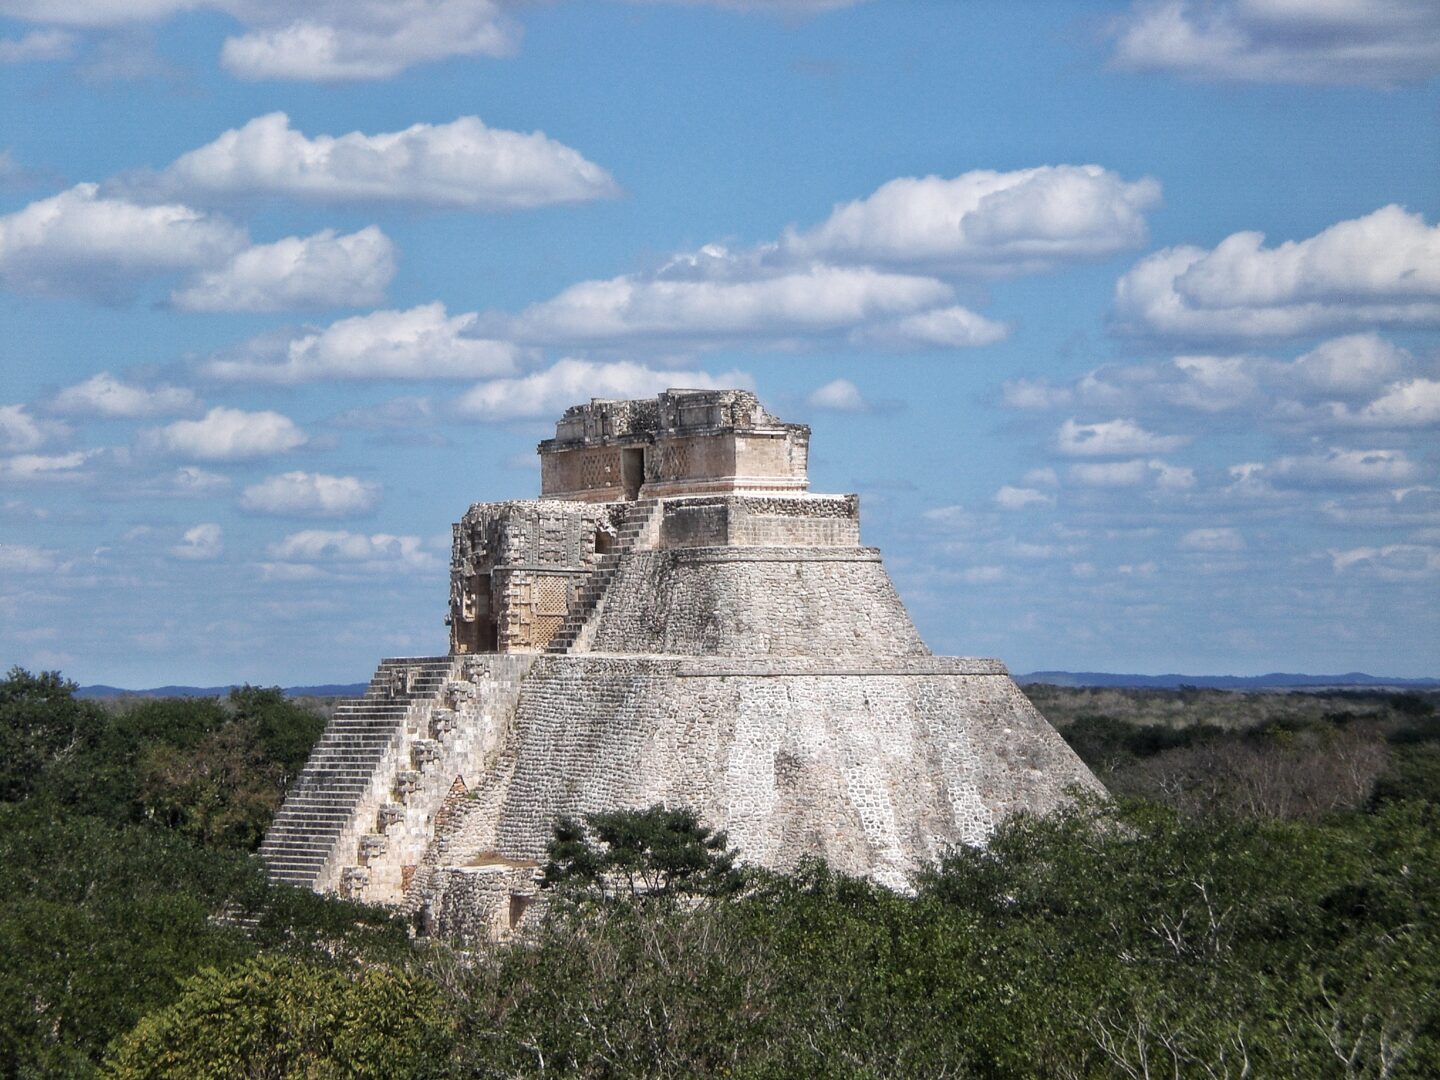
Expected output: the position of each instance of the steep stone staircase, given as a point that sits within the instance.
(461, 737)
(344, 767)
(633, 534)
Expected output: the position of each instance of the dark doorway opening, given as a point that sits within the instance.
(518, 904)
(484, 634)
(632, 471)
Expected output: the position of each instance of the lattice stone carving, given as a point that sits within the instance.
(544, 629)
(676, 462)
(599, 469)
(552, 603)
(552, 596)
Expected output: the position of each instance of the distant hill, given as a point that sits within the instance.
(1274, 681)
(322, 690)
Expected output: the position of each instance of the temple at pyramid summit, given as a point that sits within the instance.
(676, 619)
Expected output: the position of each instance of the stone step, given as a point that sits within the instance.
(293, 851)
(319, 784)
(342, 757)
(326, 781)
(300, 843)
(366, 729)
(306, 833)
(334, 796)
(296, 863)
(333, 820)
(341, 773)
(312, 819)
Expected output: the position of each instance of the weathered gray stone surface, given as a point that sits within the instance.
(756, 601)
(720, 640)
(874, 767)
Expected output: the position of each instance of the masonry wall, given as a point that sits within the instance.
(761, 521)
(585, 473)
(475, 905)
(755, 602)
(516, 567)
(877, 767)
(456, 742)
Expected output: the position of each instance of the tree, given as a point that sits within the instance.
(654, 852)
(213, 770)
(276, 1016)
(41, 721)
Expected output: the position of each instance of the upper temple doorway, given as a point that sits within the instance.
(632, 471)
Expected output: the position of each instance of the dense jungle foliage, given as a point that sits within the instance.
(1259, 901)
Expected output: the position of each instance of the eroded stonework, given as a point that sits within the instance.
(676, 620)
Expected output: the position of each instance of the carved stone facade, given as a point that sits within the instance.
(684, 441)
(517, 568)
(702, 631)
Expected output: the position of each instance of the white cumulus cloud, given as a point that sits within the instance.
(19, 431)
(867, 276)
(1339, 467)
(81, 243)
(200, 544)
(46, 468)
(548, 392)
(1380, 269)
(1413, 403)
(1366, 42)
(105, 395)
(297, 273)
(1353, 364)
(1392, 562)
(37, 45)
(1212, 539)
(225, 434)
(985, 221)
(94, 12)
(339, 40)
(336, 40)
(1360, 380)
(462, 163)
(1113, 438)
(838, 395)
(419, 343)
(191, 482)
(26, 559)
(952, 327)
(729, 302)
(317, 552)
(1135, 473)
(1018, 498)
(302, 494)
(88, 244)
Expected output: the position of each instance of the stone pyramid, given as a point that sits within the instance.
(676, 619)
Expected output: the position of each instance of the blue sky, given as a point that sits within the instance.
(1121, 317)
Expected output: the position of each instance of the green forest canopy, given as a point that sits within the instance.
(1229, 916)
